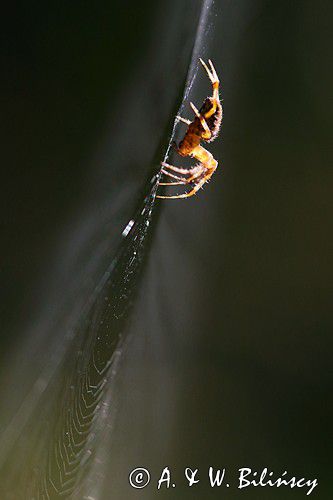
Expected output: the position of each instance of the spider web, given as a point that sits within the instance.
(47, 448)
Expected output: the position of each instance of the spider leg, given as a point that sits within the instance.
(211, 72)
(184, 120)
(194, 190)
(165, 172)
(171, 183)
(207, 134)
(185, 180)
(212, 75)
(188, 171)
(208, 71)
(195, 176)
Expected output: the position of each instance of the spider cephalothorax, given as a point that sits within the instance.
(205, 127)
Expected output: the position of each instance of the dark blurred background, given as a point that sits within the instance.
(63, 67)
(229, 362)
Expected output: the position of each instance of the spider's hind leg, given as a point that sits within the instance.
(165, 172)
(193, 191)
(188, 171)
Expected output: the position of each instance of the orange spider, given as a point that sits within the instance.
(204, 127)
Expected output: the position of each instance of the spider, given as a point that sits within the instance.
(204, 127)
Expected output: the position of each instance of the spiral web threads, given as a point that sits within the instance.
(72, 444)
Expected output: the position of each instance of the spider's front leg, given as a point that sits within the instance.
(212, 75)
(211, 72)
